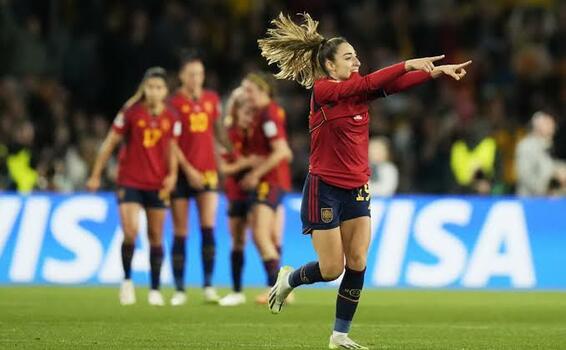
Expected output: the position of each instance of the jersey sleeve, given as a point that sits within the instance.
(121, 122)
(273, 125)
(406, 81)
(329, 91)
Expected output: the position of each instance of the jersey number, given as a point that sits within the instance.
(363, 194)
(198, 122)
(151, 137)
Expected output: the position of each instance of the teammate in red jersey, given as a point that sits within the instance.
(335, 206)
(199, 110)
(234, 166)
(146, 175)
(266, 139)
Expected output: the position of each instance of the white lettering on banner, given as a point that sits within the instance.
(9, 208)
(66, 229)
(393, 243)
(505, 226)
(30, 239)
(111, 270)
(432, 237)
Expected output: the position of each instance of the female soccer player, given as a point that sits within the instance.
(234, 165)
(268, 140)
(199, 110)
(147, 173)
(335, 206)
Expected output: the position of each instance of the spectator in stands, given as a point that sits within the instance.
(538, 174)
(384, 174)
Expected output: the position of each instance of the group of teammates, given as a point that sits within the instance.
(335, 205)
(168, 156)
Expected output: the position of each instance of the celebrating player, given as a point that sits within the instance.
(335, 205)
(147, 173)
(268, 140)
(234, 165)
(199, 110)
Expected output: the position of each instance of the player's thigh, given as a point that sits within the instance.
(356, 236)
(180, 214)
(207, 203)
(155, 221)
(238, 232)
(328, 247)
(129, 218)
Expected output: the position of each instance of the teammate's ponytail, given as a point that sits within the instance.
(299, 51)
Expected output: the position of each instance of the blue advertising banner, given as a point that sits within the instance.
(417, 241)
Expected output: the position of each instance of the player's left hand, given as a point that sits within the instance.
(250, 181)
(455, 71)
(168, 185)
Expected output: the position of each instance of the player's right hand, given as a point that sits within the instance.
(196, 180)
(93, 183)
(425, 64)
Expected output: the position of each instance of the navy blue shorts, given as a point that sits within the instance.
(147, 199)
(268, 194)
(325, 206)
(184, 190)
(239, 208)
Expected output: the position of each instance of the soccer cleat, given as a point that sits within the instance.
(179, 298)
(233, 299)
(210, 295)
(344, 342)
(155, 298)
(127, 293)
(280, 290)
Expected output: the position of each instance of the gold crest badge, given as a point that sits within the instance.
(326, 215)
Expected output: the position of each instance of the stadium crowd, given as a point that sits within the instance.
(66, 67)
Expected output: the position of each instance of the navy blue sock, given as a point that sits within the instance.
(271, 269)
(237, 263)
(347, 300)
(155, 261)
(127, 255)
(208, 250)
(178, 256)
(306, 274)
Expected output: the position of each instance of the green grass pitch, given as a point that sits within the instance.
(85, 318)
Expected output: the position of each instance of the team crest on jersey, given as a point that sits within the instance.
(326, 215)
(208, 107)
(186, 108)
(165, 125)
(142, 123)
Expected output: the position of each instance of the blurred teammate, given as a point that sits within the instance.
(234, 165)
(147, 173)
(335, 205)
(199, 110)
(267, 139)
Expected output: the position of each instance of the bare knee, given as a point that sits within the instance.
(331, 271)
(356, 261)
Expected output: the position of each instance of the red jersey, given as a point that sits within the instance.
(143, 161)
(284, 170)
(234, 191)
(339, 122)
(268, 126)
(198, 118)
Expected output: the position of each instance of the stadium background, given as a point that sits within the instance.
(66, 67)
